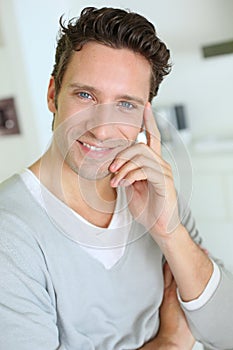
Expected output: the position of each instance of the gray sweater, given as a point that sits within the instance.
(53, 295)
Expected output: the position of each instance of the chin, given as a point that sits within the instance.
(90, 170)
(91, 177)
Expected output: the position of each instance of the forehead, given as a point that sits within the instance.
(97, 63)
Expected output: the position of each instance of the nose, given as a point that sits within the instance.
(101, 122)
(104, 132)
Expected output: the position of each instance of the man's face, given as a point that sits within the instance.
(99, 107)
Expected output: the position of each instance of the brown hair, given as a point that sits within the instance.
(116, 28)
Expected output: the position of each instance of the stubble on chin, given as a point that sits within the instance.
(88, 169)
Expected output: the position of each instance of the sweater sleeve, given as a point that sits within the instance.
(27, 305)
(212, 322)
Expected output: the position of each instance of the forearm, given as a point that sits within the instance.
(191, 267)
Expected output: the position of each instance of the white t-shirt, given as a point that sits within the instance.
(104, 244)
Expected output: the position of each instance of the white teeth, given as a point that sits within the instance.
(93, 148)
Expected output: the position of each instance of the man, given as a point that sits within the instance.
(85, 230)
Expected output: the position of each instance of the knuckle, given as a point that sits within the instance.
(138, 159)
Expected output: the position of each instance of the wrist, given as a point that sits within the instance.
(166, 240)
(190, 266)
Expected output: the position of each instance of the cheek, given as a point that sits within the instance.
(66, 114)
(130, 132)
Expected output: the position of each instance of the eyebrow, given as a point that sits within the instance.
(96, 91)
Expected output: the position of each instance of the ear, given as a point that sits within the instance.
(51, 96)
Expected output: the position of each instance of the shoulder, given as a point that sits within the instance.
(12, 207)
(12, 190)
(18, 238)
(18, 208)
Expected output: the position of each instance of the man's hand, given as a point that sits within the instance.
(173, 324)
(149, 181)
(152, 200)
(174, 332)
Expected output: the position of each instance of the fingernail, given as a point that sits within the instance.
(113, 167)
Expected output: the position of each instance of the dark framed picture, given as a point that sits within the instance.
(8, 117)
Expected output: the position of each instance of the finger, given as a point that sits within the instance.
(137, 161)
(127, 154)
(149, 170)
(135, 175)
(137, 150)
(152, 131)
(145, 173)
(127, 167)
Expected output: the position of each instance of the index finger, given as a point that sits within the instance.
(152, 132)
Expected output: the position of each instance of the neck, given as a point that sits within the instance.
(94, 200)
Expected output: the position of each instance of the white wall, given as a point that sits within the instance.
(212, 203)
(37, 26)
(16, 151)
(205, 87)
(28, 35)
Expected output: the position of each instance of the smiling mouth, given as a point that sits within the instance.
(91, 148)
(94, 148)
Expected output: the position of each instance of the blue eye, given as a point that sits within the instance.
(85, 95)
(126, 104)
